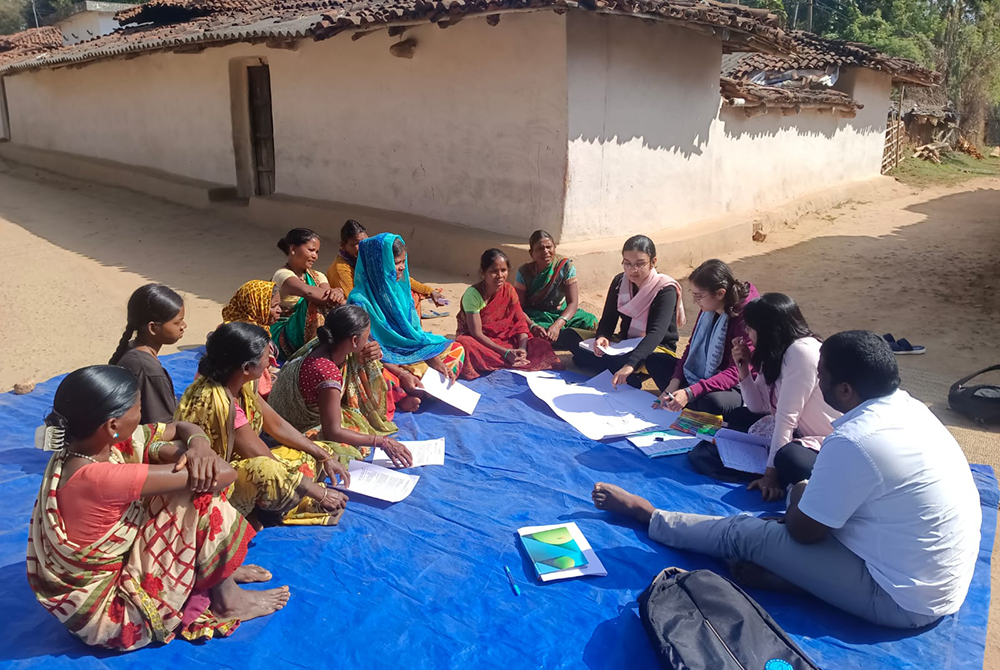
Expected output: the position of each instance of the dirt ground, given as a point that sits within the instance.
(922, 265)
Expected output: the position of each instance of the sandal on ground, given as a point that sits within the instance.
(432, 314)
(902, 346)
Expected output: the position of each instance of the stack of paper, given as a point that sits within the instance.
(613, 348)
(743, 452)
(560, 552)
(424, 452)
(457, 395)
(598, 410)
(378, 482)
(664, 443)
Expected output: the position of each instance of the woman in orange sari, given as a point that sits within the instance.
(492, 326)
(132, 539)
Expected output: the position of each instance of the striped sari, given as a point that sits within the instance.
(147, 579)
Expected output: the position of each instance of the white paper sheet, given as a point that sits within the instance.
(664, 443)
(424, 452)
(458, 396)
(378, 482)
(597, 410)
(593, 567)
(613, 348)
(743, 452)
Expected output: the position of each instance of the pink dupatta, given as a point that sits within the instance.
(636, 307)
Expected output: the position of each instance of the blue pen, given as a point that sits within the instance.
(510, 578)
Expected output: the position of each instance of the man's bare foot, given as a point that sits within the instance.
(751, 575)
(251, 574)
(615, 499)
(410, 403)
(229, 601)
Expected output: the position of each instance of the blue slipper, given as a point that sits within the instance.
(434, 315)
(902, 347)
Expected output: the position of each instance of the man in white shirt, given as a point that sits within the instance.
(888, 525)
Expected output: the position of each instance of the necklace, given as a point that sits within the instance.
(89, 458)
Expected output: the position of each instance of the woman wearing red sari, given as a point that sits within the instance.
(493, 328)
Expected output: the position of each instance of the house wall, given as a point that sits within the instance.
(86, 26)
(471, 130)
(641, 102)
(458, 133)
(651, 148)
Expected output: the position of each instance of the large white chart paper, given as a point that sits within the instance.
(596, 409)
(613, 348)
(743, 452)
(458, 396)
(424, 452)
(378, 482)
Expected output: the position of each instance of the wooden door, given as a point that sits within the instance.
(261, 128)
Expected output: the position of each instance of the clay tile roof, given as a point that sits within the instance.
(191, 24)
(28, 43)
(815, 52)
(748, 95)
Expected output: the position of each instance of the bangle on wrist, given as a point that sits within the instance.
(188, 443)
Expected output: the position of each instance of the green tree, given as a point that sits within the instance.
(11, 16)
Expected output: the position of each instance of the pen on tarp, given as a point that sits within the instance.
(510, 578)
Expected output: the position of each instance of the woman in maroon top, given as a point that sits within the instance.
(706, 379)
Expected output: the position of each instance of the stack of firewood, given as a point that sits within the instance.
(931, 152)
(967, 147)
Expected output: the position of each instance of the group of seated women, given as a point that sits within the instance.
(304, 375)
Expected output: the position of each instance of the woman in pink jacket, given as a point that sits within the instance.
(785, 388)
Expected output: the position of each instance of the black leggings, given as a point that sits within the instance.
(587, 360)
(794, 462)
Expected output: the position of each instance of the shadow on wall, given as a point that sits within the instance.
(738, 125)
(630, 81)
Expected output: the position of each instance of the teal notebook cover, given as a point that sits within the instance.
(553, 550)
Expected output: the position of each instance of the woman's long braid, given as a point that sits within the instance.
(122, 344)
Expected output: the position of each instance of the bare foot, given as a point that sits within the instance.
(751, 575)
(410, 403)
(251, 574)
(231, 602)
(616, 499)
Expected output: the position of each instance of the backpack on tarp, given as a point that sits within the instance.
(700, 621)
(981, 402)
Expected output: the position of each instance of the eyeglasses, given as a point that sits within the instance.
(698, 297)
(641, 265)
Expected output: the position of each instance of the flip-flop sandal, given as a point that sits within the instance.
(889, 338)
(902, 347)
(434, 315)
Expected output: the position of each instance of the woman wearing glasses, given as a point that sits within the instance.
(641, 303)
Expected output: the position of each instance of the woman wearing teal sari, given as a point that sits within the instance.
(549, 294)
(382, 288)
(305, 293)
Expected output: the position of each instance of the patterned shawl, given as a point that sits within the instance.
(252, 304)
(207, 404)
(389, 303)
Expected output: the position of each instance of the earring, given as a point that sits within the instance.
(116, 436)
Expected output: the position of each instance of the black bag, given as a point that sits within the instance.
(700, 621)
(981, 402)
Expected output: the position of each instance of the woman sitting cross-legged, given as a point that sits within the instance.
(132, 540)
(785, 391)
(311, 390)
(224, 402)
(549, 293)
(382, 289)
(648, 305)
(493, 328)
(707, 378)
(305, 293)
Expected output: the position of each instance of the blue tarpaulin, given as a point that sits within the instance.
(420, 584)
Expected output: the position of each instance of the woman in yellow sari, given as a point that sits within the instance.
(132, 540)
(223, 401)
(258, 302)
(310, 389)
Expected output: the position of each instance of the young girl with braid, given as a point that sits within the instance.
(155, 318)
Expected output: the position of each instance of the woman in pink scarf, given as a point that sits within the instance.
(645, 304)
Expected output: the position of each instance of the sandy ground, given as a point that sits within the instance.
(922, 265)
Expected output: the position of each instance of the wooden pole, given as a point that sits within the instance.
(899, 126)
(809, 15)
